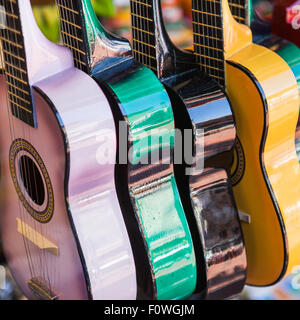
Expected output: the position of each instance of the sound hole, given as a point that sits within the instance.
(32, 180)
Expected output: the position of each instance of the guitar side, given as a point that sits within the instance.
(85, 211)
(152, 209)
(270, 160)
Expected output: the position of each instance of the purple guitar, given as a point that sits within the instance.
(62, 229)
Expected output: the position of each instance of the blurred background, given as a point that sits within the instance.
(114, 15)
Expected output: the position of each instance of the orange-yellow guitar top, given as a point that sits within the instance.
(265, 171)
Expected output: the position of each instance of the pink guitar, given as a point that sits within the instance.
(62, 229)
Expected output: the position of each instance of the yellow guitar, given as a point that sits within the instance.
(265, 171)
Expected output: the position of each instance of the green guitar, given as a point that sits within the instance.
(148, 195)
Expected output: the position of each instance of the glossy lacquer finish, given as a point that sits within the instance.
(142, 102)
(264, 95)
(200, 106)
(285, 49)
(94, 253)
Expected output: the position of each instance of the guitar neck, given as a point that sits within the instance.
(209, 38)
(73, 32)
(14, 59)
(239, 10)
(143, 32)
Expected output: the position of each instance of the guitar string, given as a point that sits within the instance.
(11, 120)
(6, 56)
(24, 164)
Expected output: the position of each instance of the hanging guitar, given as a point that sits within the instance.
(202, 108)
(61, 225)
(262, 35)
(160, 237)
(265, 169)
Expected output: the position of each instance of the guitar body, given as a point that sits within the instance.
(288, 51)
(266, 163)
(200, 105)
(62, 229)
(147, 191)
(47, 140)
(265, 172)
(204, 118)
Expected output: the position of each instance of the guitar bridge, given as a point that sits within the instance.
(41, 289)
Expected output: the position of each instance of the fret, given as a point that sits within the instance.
(8, 14)
(73, 32)
(238, 10)
(144, 54)
(79, 61)
(139, 16)
(203, 12)
(207, 57)
(212, 48)
(18, 97)
(9, 29)
(71, 23)
(210, 67)
(239, 18)
(19, 106)
(236, 5)
(142, 3)
(144, 31)
(19, 91)
(76, 49)
(17, 88)
(12, 43)
(13, 55)
(206, 25)
(146, 44)
(208, 38)
(67, 8)
(16, 78)
(71, 35)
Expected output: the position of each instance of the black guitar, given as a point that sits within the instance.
(200, 106)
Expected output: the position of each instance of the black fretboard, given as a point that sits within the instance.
(238, 10)
(73, 31)
(143, 33)
(208, 38)
(19, 90)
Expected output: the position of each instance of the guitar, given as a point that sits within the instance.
(265, 169)
(262, 35)
(62, 229)
(201, 108)
(160, 236)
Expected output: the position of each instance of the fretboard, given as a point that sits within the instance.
(19, 90)
(143, 33)
(238, 10)
(73, 31)
(208, 38)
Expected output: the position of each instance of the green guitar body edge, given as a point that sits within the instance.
(147, 107)
(288, 51)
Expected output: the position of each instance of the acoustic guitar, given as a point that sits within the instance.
(265, 169)
(62, 229)
(147, 190)
(262, 35)
(202, 110)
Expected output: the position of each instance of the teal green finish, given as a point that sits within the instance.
(147, 107)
